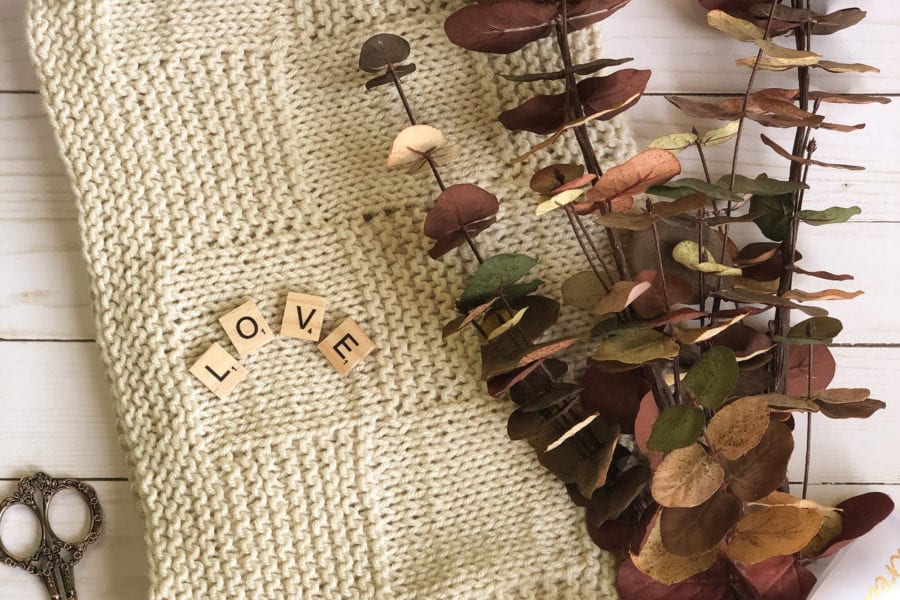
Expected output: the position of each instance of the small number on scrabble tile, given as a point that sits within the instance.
(218, 370)
(303, 316)
(346, 346)
(247, 328)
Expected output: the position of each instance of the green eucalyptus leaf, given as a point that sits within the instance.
(835, 214)
(713, 377)
(763, 185)
(496, 276)
(688, 185)
(635, 346)
(775, 213)
(815, 330)
(676, 427)
(687, 253)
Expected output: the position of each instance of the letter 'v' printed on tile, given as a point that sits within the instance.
(303, 316)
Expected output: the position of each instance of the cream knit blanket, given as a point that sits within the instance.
(222, 150)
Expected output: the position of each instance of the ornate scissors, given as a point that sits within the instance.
(54, 559)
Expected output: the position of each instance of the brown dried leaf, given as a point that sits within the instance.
(615, 396)
(622, 295)
(460, 322)
(702, 334)
(652, 303)
(773, 531)
(686, 477)
(763, 468)
(582, 290)
(748, 297)
(494, 365)
(650, 167)
(805, 161)
(550, 178)
(629, 221)
(738, 427)
(835, 98)
(692, 531)
(839, 67)
(663, 566)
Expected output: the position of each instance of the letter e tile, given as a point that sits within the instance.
(303, 316)
(346, 346)
(247, 328)
(218, 370)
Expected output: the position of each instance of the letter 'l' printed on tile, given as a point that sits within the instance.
(218, 370)
(303, 316)
(247, 328)
(346, 346)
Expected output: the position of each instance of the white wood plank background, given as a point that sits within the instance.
(55, 412)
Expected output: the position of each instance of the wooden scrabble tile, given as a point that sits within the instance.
(247, 328)
(346, 346)
(218, 370)
(303, 316)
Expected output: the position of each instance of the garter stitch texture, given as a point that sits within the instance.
(226, 149)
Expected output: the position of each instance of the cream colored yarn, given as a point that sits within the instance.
(226, 149)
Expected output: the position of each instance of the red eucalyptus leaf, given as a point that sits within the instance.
(600, 94)
(458, 238)
(615, 396)
(587, 12)
(860, 514)
(691, 531)
(712, 584)
(543, 114)
(647, 414)
(546, 114)
(500, 27)
(613, 535)
(823, 369)
(652, 304)
(645, 169)
(457, 207)
(743, 340)
(780, 578)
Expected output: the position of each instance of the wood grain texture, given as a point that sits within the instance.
(114, 567)
(56, 412)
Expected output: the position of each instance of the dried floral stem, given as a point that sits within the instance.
(581, 133)
(741, 120)
(399, 86)
(806, 460)
(575, 223)
(472, 246)
(702, 156)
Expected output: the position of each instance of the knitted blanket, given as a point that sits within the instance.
(223, 150)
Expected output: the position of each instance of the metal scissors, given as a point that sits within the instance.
(54, 559)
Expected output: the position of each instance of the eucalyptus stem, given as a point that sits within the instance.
(702, 155)
(806, 461)
(581, 132)
(741, 120)
(575, 229)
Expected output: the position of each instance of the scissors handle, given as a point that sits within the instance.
(54, 559)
